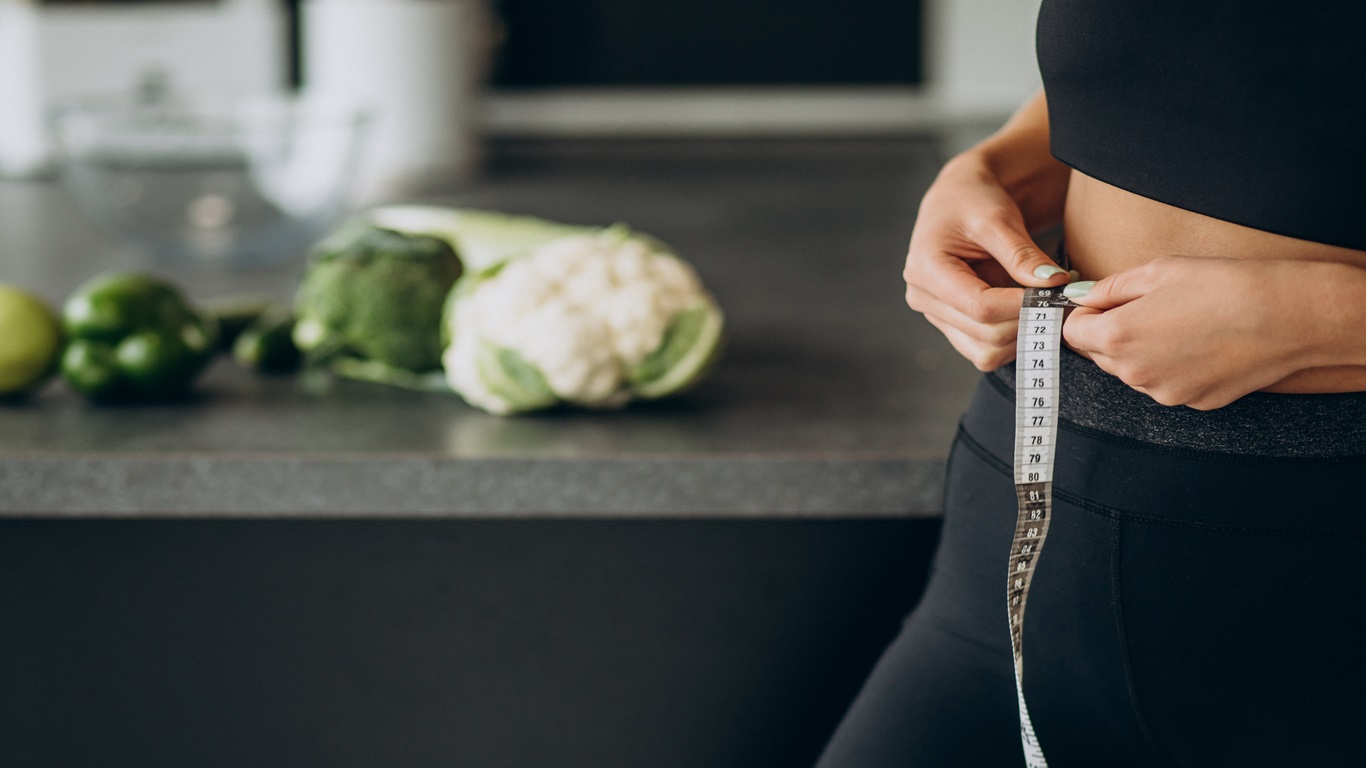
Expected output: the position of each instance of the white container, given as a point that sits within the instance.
(51, 52)
(419, 68)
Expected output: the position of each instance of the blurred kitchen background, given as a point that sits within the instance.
(446, 76)
(699, 582)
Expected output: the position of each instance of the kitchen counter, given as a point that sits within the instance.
(832, 399)
(264, 576)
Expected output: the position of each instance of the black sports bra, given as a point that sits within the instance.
(1252, 112)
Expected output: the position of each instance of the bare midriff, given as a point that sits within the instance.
(1108, 229)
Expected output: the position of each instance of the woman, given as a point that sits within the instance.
(1196, 603)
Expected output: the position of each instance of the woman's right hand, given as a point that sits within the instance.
(970, 252)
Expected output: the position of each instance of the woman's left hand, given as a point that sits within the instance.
(1197, 331)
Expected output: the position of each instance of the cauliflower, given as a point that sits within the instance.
(374, 297)
(591, 319)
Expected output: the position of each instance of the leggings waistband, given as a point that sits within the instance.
(1258, 424)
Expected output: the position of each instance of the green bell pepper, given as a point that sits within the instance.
(134, 337)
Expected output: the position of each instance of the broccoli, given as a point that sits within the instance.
(373, 295)
(548, 313)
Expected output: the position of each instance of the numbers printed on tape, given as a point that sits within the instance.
(1036, 427)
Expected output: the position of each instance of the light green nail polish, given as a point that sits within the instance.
(1047, 271)
(1073, 275)
(1077, 290)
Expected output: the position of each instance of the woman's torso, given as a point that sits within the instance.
(1243, 118)
(1108, 229)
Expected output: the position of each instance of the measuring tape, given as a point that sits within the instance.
(1036, 430)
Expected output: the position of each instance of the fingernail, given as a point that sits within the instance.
(1073, 275)
(1048, 270)
(1077, 290)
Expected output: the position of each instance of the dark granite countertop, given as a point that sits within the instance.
(832, 399)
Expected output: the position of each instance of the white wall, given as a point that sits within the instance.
(236, 45)
(981, 55)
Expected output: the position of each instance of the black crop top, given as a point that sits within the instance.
(1253, 112)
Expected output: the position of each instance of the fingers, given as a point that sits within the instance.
(986, 354)
(1004, 235)
(1091, 329)
(1200, 398)
(970, 251)
(1110, 292)
(980, 321)
(948, 280)
(1088, 331)
(1096, 335)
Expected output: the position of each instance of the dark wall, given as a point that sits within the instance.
(354, 644)
(697, 42)
(710, 42)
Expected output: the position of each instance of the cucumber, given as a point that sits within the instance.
(267, 345)
(235, 314)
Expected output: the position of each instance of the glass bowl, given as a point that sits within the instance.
(211, 179)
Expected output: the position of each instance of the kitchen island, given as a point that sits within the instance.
(832, 397)
(271, 576)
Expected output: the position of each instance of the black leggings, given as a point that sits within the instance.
(1190, 608)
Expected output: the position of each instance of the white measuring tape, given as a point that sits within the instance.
(1036, 430)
